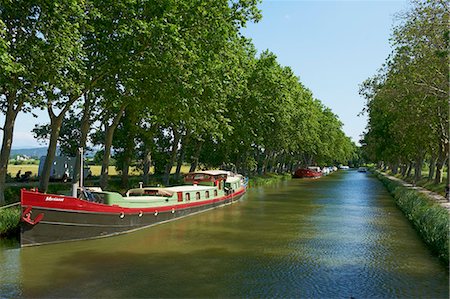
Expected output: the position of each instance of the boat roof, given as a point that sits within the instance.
(160, 191)
(189, 188)
(169, 191)
(211, 172)
(233, 179)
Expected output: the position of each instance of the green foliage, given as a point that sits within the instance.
(407, 101)
(12, 194)
(9, 221)
(69, 137)
(173, 78)
(268, 179)
(24, 162)
(429, 218)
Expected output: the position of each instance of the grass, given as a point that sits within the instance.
(95, 169)
(267, 179)
(429, 218)
(9, 221)
(13, 169)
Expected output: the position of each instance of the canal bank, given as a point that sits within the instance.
(427, 211)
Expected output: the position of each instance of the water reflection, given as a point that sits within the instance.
(339, 236)
(10, 271)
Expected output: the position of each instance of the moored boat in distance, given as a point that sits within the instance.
(310, 172)
(362, 169)
(51, 218)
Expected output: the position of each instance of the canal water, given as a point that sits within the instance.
(340, 236)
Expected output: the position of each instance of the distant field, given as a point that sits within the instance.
(13, 169)
(95, 169)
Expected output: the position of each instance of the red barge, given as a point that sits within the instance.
(51, 218)
(310, 172)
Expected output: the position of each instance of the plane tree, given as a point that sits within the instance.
(407, 102)
(42, 60)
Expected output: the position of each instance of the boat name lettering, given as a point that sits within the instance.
(49, 198)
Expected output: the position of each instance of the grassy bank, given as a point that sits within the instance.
(9, 222)
(429, 218)
(267, 179)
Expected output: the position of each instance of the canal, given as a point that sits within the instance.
(340, 236)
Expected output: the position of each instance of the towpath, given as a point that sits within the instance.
(444, 202)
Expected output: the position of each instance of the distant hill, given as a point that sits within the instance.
(36, 152)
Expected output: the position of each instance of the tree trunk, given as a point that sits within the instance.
(180, 162)
(8, 130)
(410, 167)
(432, 168)
(147, 164)
(265, 162)
(442, 158)
(194, 162)
(104, 174)
(55, 127)
(182, 155)
(109, 133)
(418, 169)
(173, 156)
(404, 169)
(85, 126)
(394, 168)
(126, 164)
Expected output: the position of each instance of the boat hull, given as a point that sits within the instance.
(63, 224)
(306, 173)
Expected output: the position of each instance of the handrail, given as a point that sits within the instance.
(10, 205)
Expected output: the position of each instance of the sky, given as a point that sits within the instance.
(332, 46)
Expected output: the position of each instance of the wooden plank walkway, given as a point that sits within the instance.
(444, 202)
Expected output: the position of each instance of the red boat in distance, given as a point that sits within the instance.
(310, 172)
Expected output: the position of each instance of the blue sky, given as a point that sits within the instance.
(332, 46)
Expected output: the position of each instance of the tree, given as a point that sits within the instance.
(408, 99)
(38, 42)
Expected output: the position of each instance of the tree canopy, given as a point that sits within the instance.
(163, 83)
(408, 100)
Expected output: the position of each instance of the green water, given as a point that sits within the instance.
(340, 236)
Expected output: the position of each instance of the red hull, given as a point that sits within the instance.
(49, 218)
(306, 173)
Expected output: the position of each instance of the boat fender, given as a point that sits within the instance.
(122, 215)
(140, 214)
(173, 211)
(156, 213)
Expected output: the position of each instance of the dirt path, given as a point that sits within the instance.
(444, 202)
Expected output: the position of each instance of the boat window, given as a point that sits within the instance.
(207, 194)
(151, 192)
(199, 176)
(99, 197)
(197, 195)
(215, 192)
(188, 196)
